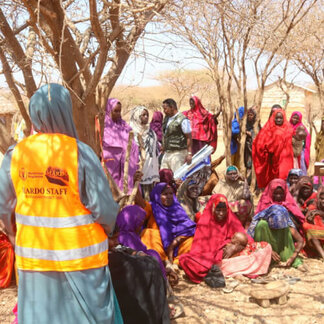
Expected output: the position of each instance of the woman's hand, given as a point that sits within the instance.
(229, 250)
(188, 158)
(170, 250)
(137, 176)
(171, 275)
(275, 256)
(291, 260)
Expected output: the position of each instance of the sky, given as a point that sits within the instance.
(142, 71)
(164, 52)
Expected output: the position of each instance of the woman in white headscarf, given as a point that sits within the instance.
(139, 123)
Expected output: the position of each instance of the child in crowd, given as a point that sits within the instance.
(298, 140)
(240, 240)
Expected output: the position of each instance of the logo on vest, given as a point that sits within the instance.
(23, 174)
(57, 176)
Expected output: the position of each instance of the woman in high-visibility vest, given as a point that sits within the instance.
(64, 207)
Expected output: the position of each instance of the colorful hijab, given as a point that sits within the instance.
(173, 220)
(249, 139)
(50, 110)
(115, 142)
(289, 203)
(232, 190)
(210, 238)
(128, 221)
(191, 206)
(156, 124)
(304, 182)
(151, 164)
(277, 217)
(308, 138)
(272, 151)
(315, 208)
(236, 130)
(203, 124)
(250, 124)
(297, 172)
(166, 175)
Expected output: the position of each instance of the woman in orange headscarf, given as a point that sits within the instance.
(272, 150)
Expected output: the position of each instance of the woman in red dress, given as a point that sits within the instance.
(272, 151)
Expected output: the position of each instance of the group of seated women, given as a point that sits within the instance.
(219, 236)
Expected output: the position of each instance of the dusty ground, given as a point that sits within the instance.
(305, 304)
(206, 305)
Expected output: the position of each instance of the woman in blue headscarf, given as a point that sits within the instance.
(80, 296)
(235, 141)
(293, 177)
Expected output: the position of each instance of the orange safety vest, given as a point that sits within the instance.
(55, 232)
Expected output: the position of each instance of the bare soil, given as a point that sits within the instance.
(305, 300)
(206, 305)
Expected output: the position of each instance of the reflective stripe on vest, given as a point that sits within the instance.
(54, 222)
(62, 255)
(55, 232)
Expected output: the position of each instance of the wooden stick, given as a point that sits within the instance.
(126, 165)
(217, 162)
(116, 193)
(140, 167)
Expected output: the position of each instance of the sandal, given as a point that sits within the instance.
(176, 307)
(230, 286)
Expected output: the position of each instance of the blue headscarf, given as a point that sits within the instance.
(173, 220)
(50, 110)
(297, 172)
(236, 130)
(277, 217)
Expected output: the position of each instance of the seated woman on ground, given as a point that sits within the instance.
(293, 177)
(188, 197)
(314, 225)
(304, 194)
(169, 230)
(237, 192)
(136, 276)
(215, 229)
(275, 222)
(128, 227)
